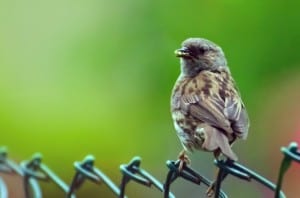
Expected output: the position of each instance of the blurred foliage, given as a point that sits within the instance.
(80, 77)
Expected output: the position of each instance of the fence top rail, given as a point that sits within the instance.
(34, 170)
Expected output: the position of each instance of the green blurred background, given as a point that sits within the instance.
(94, 77)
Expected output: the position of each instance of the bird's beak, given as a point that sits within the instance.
(182, 52)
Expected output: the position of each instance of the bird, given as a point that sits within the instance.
(206, 106)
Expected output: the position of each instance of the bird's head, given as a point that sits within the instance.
(198, 54)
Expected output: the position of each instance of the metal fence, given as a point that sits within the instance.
(34, 170)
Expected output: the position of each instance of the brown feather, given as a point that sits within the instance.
(207, 106)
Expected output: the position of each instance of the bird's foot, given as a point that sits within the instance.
(210, 191)
(184, 160)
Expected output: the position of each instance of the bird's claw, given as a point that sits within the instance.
(184, 160)
(210, 191)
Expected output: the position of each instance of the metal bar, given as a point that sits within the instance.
(171, 174)
(86, 170)
(3, 189)
(35, 188)
(219, 180)
(132, 171)
(115, 189)
(186, 173)
(290, 153)
(124, 181)
(259, 178)
(33, 170)
(54, 178)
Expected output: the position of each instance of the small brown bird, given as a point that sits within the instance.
(206, 107)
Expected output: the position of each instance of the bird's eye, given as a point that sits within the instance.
(201, 50)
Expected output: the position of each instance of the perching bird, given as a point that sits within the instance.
(206, 107)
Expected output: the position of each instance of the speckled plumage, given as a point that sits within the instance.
(206, 107)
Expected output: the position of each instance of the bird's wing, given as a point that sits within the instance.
(206, 109)
(236, 113)
(227, 113)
